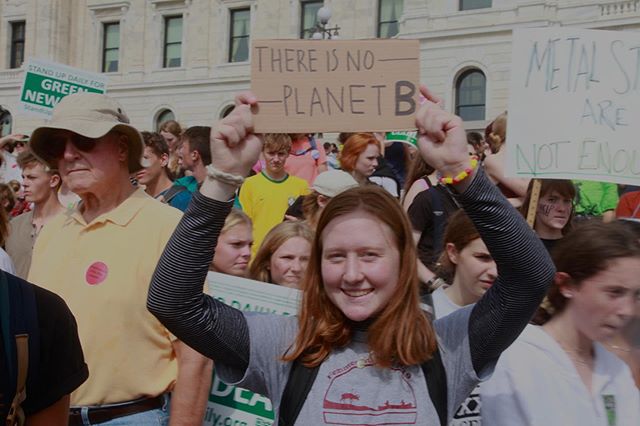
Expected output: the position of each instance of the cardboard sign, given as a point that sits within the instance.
(574, 99)
(231, 405)
(306, 86)
(46, 83)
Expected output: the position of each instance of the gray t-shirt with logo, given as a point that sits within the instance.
(349, 388)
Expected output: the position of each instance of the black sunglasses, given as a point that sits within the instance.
(55, 145)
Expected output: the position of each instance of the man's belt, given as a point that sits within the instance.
(105, 413)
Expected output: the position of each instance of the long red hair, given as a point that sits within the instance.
(401, 333)
(353, 147)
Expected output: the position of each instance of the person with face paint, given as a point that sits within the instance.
(554, 213)
(564, 372)
(360, 325)
(233, 251)
(284, 254)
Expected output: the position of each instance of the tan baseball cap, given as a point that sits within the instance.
(92, 115)
(333, 182)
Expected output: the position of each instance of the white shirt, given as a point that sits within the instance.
(442, 305)
(535, 383)
(468, 414)
(6, 264)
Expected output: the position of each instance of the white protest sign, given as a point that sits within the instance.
(46, 83)
(230, 405)
(573, 105)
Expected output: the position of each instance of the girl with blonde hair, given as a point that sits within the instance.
(283, 256)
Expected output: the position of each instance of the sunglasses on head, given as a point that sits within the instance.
(57, 143)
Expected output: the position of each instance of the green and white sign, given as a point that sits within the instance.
(410, 138)
(46, 83)
(230, 405)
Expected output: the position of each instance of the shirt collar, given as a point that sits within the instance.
(121, 215)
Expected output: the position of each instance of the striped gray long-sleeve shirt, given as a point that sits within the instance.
(221, 333)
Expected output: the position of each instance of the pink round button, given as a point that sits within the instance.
(96, 273)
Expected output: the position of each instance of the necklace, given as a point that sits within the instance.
(575, 355)
(578, 356)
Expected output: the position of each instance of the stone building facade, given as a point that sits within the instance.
(187, 58)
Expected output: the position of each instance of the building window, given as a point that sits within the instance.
(227, 111)
(309, 17)
(474, 4)
(110, 47)
(17, 44)
(239, 35)
(389, 11)
(164, 115)
(471, 93)
(172, 41)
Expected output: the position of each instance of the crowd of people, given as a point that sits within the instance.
(426, 298)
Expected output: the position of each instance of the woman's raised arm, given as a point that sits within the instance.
(525, 269)
(175, 296)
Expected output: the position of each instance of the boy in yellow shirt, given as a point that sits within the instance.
(266, 196)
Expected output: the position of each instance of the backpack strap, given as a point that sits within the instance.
(295, 393)
(313, 143)
(439, 222)
(16, 413)
(172, 192)
(436, 378)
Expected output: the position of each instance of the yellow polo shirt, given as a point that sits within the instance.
(102, 270)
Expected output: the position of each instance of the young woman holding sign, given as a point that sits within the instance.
(564, 372)
(360, 328)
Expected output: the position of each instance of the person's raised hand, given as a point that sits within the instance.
(234, 146)
(11, 138)
(442, 140)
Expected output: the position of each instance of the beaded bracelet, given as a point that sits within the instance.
(462, 175)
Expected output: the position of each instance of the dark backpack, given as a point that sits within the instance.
(301, 380)
(21, 337)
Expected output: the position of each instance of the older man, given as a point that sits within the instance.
(100, 257)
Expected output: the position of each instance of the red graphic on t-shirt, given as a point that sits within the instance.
(345, 406)
(96, 273)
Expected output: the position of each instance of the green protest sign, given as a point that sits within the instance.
(410, 138)
(231, 405)
(46, 83)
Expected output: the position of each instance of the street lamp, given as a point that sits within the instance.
(321, 31)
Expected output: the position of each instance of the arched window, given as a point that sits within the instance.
(227, 111)
(471, 94)
(164, 115)
(6, 122)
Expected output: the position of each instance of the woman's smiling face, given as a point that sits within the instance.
(360, 264)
